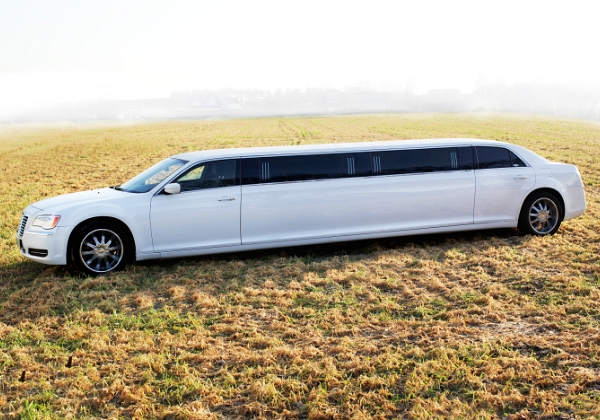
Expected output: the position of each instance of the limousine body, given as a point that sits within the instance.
(231, 200)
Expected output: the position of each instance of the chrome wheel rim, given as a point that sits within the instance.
(543, 216)
(101, 250)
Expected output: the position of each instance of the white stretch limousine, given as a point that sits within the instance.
(242, 199)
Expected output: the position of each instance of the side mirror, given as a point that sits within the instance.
(173, 188)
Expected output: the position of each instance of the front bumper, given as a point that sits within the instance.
(44, 246)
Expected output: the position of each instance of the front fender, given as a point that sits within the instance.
(133, 212)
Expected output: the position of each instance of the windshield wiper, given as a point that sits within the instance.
(116, 187)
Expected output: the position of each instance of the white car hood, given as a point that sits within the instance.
(61, 201)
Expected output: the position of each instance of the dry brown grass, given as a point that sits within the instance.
(472, 325)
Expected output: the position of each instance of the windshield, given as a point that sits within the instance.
(153, 176)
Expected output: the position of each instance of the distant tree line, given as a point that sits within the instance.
(561, 100)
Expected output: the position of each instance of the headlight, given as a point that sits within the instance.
(46, 221)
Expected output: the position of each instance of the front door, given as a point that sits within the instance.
(205, 214)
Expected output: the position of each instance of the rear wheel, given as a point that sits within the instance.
(100, 248)
(541, 214)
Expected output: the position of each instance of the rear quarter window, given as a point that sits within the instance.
(490, 157)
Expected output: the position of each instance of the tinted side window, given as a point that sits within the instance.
(465, 157)
(515, 161)
(308, 167)
(490, 157)
(362, 162)
(250, 171)
(304, 167)
(220, 173)
(415, 161)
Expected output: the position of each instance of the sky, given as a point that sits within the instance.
(70, 50)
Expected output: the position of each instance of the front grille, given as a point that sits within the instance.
(22, 225)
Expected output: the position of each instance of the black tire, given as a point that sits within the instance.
(541, 214)
(100, 247)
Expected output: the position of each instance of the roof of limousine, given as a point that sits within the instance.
(330, 147)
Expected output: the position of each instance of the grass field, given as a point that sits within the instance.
(482, 325)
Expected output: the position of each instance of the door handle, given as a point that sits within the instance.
(226, 198)
(520, 176)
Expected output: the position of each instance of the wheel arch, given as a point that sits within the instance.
(114, 220)
(556, 193)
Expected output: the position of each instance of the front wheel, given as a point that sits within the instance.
(541, 214)
(100, 248)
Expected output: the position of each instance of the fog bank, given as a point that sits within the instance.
(544, 99)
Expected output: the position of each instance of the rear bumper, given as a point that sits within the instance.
(574, 202)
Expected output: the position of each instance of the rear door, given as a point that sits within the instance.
(503, 181)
